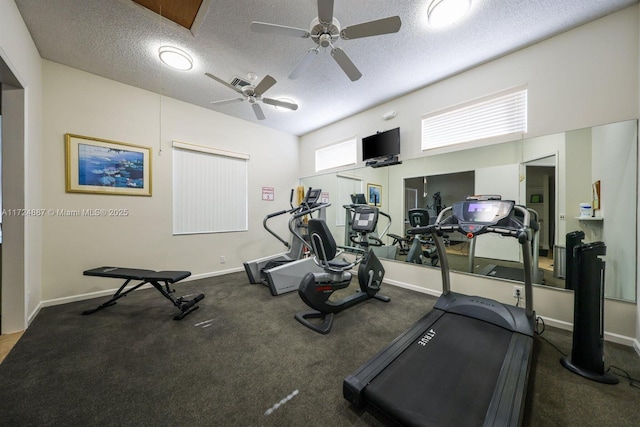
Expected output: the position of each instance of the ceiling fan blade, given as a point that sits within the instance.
(372, 28)
(304, 64)
(283, 104)
(227, 101)
(262, 27)
(264, 85)
(345, 63)
(325, 11)
(219, 80)
(258, 111)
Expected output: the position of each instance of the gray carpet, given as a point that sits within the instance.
(242, 360)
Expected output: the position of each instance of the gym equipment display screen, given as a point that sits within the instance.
(483, 211)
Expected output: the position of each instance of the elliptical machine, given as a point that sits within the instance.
(316, 288)
(281, 273)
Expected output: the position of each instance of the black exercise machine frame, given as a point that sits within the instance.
(151, 277)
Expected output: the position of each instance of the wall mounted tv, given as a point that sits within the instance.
(382, 144)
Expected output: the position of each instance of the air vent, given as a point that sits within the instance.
(238, 82)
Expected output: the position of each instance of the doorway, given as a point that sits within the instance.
(13, 303)
(540, 195)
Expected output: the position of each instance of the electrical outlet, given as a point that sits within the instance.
(517, 292)
(223, 259)
(562, 217)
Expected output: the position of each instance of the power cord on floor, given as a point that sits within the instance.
(539, 330)
(633, 382)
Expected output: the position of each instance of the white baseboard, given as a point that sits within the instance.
(214, 274)
(413, 287)
(110, 292)
(560, 324)
(33, 314)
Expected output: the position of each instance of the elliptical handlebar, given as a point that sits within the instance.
(273, 233)
(300, 214)
(384, 232)
(307, 206)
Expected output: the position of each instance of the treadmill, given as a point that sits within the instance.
(465, 363)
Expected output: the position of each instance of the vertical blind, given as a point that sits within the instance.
(341, 154)
(209, 190)
(499, 114)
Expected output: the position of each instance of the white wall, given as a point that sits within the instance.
(21, 272)
(81, 103)
(578, 79)
(636, 344)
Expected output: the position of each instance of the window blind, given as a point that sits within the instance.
(209, 190)
(341, 154)
(499, 114)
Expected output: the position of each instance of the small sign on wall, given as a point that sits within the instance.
(268, 193)
(324, 197)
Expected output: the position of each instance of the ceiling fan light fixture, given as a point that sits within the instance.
(175, 58)
(441, 13)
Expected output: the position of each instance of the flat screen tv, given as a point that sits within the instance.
(381, 144)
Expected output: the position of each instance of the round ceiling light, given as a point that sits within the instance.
(445, 12)
(175, 58)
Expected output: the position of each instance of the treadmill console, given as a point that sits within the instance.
(474, 216)
(365, 218)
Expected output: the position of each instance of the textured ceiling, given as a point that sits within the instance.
(119, 40)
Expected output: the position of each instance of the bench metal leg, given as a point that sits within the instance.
(119, 294)
(185, 306)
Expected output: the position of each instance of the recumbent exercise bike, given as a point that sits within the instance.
(316, 288)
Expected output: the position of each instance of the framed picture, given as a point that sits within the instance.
(374, 194)
(100, 166)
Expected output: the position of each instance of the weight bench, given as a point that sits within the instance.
(154, 278)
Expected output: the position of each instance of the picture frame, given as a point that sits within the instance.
(100, 166)
(374, 195)
(595, 188)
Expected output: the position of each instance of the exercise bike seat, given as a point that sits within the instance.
(325, 247)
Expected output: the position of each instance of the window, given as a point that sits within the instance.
(209, 190)
(341, 154)
(496, 115)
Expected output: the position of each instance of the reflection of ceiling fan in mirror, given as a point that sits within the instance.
(253, 94)
(325, 29)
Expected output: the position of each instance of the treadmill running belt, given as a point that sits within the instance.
(445, 378)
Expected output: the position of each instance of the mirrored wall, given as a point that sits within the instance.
(552, 175)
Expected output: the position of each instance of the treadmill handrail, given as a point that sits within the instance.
(522, 234)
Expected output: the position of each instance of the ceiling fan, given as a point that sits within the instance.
(325, 29)
(253, 94)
